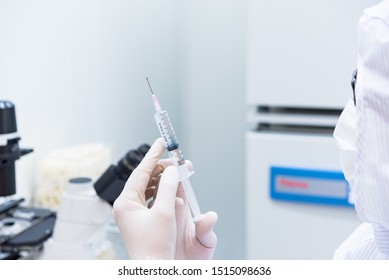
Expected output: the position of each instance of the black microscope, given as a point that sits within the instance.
(22, 229)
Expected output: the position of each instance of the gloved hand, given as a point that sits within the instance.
(165, 230)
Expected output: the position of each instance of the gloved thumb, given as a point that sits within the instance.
(167, 190)
(204, 230)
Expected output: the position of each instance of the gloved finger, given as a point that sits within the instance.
(178, 203)
(204, 230)
(137, 183)
(164, 163)
(167, 190)
(154, 181)
(149, 193)
(159, 168)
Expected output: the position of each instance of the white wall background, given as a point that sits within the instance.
(213, 81)
(76, 72)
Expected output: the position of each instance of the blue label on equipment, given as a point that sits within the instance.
(307, 185)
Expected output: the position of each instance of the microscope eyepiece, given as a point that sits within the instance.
(7, 117)
(128, 163)
(112, 181)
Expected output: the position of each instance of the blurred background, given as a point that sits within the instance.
(76, 70)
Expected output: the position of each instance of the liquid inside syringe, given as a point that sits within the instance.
(173, 147)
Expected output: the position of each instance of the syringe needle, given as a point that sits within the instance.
(155, 100)
(147, 79)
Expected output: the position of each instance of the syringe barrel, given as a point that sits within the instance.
(166, 130)
(167, 133)
(177, 157)
(186, 184)
(190, 196)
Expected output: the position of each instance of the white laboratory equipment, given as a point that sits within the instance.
(80, 228)
(301, 55)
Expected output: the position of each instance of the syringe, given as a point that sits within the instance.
(173, 147)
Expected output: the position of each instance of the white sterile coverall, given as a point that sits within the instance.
(365, 155)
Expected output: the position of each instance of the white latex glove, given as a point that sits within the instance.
(164, 231)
